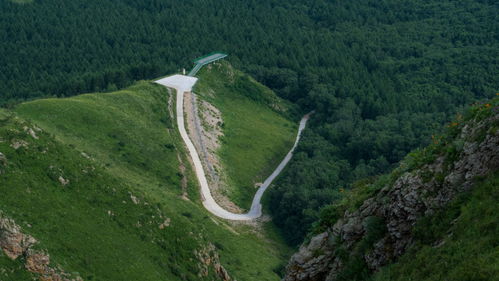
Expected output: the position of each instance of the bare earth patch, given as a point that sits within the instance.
(204, 126)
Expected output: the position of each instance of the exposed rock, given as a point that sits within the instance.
(16, 144)
(208, 256)
(413, 195)
(166, 223)
(31, 132)
(313, 257)
(135, 200)
(12, 241)
(14, 244)
(37, 262)
(63, 181)
(222, 273)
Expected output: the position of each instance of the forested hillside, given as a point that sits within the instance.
(382, 75)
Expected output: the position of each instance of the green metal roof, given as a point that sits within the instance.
(204, 60)
(210, 57)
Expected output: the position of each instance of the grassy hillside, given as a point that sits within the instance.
(112, 148)
(257, 129)
(130, 132)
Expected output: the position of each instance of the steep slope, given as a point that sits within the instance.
(433, 218)
(102, 183)
(464, 235)
(255, 130)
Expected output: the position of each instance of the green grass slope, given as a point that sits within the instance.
(258, 132)
(129, 131)
(112, 146)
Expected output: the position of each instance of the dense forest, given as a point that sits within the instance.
(381, 75)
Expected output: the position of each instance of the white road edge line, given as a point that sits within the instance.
(182, 84)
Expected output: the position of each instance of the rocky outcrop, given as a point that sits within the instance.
(208, 257)
(31, 132)
(63, 181)
(15, 244)
(16, 144)
(12, 241)
(398, 206)
(165, 223)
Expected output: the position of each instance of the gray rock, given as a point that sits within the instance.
(12, 241)
(400, 205)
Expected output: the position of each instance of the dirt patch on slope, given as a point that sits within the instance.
(204, 126)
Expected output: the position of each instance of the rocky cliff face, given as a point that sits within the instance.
(395, 209)
(208, 256)
(16, 244)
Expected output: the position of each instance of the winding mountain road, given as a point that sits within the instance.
(182, 84)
